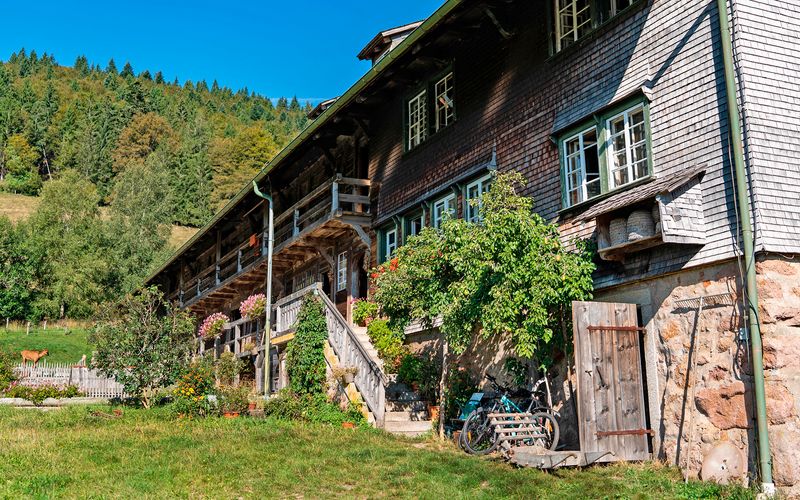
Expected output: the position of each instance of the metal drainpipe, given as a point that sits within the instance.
(765, 459)
(268, 313)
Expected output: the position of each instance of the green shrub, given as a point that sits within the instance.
(314, 408)
(233, 399)
(190, 397)
(37, 395)
(388, 342)
(363, 310)
(7, 376)
(191, 407)
(305, 354)
(409, 370)
(459, 388)
(228, 367)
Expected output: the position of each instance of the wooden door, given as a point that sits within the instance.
(611, 405)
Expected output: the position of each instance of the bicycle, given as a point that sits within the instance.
(478, 434)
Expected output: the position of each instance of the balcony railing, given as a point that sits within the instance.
(340, 197)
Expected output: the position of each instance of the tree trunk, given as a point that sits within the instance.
(442, 385)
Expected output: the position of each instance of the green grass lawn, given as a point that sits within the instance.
(146, 454)
(63, 348)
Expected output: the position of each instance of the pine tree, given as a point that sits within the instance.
(81, 65)
(159, 78)
(146, 75)
(295, 105)
(127, 70)
(111, 67)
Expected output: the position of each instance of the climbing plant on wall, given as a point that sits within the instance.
(305, 354)
(511, 275)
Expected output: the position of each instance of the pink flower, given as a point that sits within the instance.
(212, 326)
(254, 306)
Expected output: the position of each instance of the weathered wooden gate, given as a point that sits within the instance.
(611, 406)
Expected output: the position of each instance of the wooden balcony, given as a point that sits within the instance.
(342, 204)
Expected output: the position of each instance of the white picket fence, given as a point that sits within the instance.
(88, 381)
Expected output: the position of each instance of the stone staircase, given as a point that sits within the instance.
(406, 414)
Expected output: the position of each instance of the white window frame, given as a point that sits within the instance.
(582, 185)
(444, 107)
(572, 31)
(388, 248)
(473, 213)
(615, 10)
(341, 272)
(630, 146)
(448, 204)
(417, 126)
(410, 223)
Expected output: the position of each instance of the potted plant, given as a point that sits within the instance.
(250, 347)
(345, 374)
(233, 401)
(348, 425)
(254, 306)
(409, 371)
(429, 375)
(212, 326)
(364, 311)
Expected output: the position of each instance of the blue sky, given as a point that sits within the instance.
(299, 47)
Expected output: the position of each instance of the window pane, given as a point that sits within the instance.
(621, 177)
(444, 101)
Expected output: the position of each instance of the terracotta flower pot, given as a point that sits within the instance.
(251, 405)
(414, 386)
(348, 425)
(231, 414)
(433, 412)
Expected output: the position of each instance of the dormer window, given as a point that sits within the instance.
(574, 19)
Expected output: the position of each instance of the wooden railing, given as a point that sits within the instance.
(234, 337)
(337, 197)
(369, 379)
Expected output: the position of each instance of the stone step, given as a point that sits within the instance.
(406, 416)
(402, 396)
(409, 429)
(413, 405)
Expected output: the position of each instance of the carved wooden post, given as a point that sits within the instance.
(198, 287)
(218, 256)
(295, 221)
(239, 261)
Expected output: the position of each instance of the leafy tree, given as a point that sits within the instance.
(21, 165)
(139, 222)
(305, 354)
(143, 135)
(508, 276)
(67, 236)
(16, 272)
(144, 342)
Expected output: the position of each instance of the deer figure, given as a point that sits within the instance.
(34, 356)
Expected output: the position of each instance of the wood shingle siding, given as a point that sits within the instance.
(767, 49)
(512, 96)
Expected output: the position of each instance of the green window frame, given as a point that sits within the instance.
(474, 191)
(441, 207)
(388, 241)
(621, 156)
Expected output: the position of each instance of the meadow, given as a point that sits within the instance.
(84, 452)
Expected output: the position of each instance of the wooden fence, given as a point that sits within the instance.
(88, 381)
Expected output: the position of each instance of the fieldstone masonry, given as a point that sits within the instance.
(723, 396)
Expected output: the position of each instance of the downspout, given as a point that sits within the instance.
(751, 287)
(268, 320)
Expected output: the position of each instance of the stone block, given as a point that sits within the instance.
(725, 406)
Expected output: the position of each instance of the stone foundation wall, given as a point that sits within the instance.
(716, 400)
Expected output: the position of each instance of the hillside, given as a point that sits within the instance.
(19, 207)
(206, 139)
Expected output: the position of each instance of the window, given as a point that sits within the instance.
(573, 21)
(341, 272)
(443, 105)
(627, 146)
(446, 205)
(417, 120)
(581, 166)
(390, 242)
(436, 98)
(475, 191)
(589, 170)
(414, 224)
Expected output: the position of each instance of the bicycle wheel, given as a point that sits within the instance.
(478, 433)
(546, 425)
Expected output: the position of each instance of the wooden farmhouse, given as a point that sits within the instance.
(617, 114)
